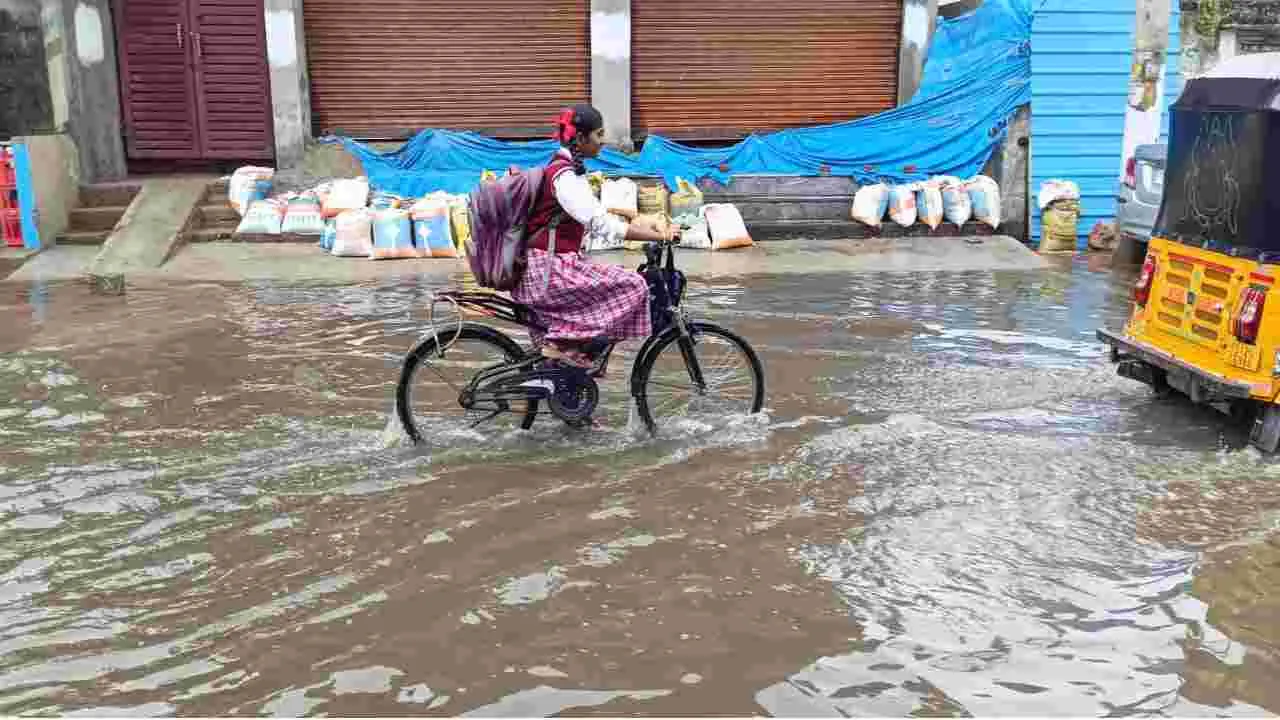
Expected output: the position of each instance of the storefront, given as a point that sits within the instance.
(388, 68)
(720, 69)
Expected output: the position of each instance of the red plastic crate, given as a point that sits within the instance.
(8, 178)
(11, 228)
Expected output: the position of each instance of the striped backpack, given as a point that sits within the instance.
(500, 212)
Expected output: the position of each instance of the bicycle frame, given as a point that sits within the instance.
(657, 255)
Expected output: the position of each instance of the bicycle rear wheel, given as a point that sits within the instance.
(731, 374)
(441, 367)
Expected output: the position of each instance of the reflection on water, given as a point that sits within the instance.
(952, 506)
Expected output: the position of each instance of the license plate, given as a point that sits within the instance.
(1176, 294)
(1245, 357)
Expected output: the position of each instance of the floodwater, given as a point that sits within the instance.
(952, 506)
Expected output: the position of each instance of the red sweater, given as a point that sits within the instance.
(569, 232)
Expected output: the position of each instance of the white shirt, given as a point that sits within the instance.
(604, 230)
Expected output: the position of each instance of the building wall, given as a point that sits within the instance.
(1081, 58)
(25, 103)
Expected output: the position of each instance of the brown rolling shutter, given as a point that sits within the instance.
(720, 69)
(383, 69)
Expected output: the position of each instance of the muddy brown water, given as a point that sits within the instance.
(952, 506)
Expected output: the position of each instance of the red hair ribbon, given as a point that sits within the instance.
(564, 126)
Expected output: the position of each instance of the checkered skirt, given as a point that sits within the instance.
(577, 299)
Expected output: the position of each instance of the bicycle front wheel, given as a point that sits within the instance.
(709, 375)
(441, 367)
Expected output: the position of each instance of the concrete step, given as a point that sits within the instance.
(108, 195)
(88, 237)
(766, 230)
(219, 216)
(90, 219)
(219, 235)
(207, 235)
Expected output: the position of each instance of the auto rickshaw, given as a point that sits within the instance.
(1206, 310)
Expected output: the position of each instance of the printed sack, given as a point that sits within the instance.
(302, 215)
(392, 235)
(247, 185)
(902, 205)
(353, 234)
(984, 193)
(620, 195)
(264, 218)
(956, 206)
(346, 195)
(432, 233)
(929, 203)
(870, 204)
(726, 227)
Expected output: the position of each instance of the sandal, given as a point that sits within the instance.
(568, 357)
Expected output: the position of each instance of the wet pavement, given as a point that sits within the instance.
(952, 506)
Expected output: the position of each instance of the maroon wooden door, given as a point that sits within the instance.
(232, 79)
(156, 83)
(195, 83)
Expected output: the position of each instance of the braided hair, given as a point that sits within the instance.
(573, 124)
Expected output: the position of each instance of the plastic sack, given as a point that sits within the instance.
(620, 195)
(353, 234)
(345, 195)
(248, 185)
(432, 233)
(264, 218)
(460, 222)
(984, 193)
(302, 215)
(687, 200)
(392, 235)
(1051, 190)
(902, 205)
(929, 203)
(870, 204)
(328, 235)
(488, 176)
(652, 200)
(1059, 226)
(956, 206)
(697, 237)
(726, 227)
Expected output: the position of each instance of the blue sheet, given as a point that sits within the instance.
(977, 75)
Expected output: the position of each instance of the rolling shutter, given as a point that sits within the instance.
(720, 69)
(384, 69)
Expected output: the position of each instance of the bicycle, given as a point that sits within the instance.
(504, 381)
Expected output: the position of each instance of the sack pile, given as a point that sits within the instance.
(351, 221)
(932, 202)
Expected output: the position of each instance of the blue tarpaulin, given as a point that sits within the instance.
(977, 75)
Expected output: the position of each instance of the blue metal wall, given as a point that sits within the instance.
(1081, 51)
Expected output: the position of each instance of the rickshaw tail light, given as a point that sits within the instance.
(1142, 289)
(1130, 173)
(1248, 320)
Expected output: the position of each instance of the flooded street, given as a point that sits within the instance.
(952, 506)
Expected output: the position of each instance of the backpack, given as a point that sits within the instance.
(500, 213)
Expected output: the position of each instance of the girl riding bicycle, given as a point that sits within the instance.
(584, 305)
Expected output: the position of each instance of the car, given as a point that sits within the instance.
(1138, 198)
